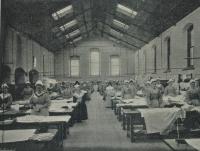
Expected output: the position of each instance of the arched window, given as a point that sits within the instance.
(168, 48)
(154, 58)
(190, 46)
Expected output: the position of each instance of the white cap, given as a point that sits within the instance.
(170, 80)
(153, 80)
(4, 86)
(192, 81)
(126, 81)
(76, 86)
(148, 82)
(157, 79)
(28, 82)
(39, 82)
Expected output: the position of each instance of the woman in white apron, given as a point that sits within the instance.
(40, 100)
(154, 97)
(5, 97)
(109, 94)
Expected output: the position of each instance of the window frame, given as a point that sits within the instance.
(74, 58)
(90, 62)
(190, 35)
(114, 56)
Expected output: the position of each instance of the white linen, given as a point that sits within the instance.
(195, 143)
(12, 136)
(160, 120)
(42, 119)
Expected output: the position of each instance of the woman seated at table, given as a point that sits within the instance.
(193, 95)
(132, 86)
(5, 97)
(40, 100)
(127, 92)
(154, 96)
(67, 92)
(27, 91)
(118, 93)
(170, 90)
(81, 108)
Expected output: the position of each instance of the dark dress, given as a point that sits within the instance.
(81, 108)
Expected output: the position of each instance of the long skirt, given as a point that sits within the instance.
(82, 113)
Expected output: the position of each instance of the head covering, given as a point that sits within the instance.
(126, 81)
(28, 82)
(76, 85)
(3, 86)
(148, 82)
(192, 81)
(157, 79)
(39, 82)
(131, 80)
(170, 80)
(153, 80)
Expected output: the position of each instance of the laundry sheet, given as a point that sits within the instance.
(12, 136)
(42, 119)
(195, 143)
(179, 99)
(160, 120)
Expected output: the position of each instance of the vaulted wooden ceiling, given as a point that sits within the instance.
(95, 18)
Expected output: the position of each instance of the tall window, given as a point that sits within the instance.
(155, 58)
(95, 62)
(145, 61)
(114, 65)
(74, 66)
(190, 46)
(168, 41)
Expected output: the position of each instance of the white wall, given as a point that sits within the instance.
(178, 50)
(23, 59)
(107, 48)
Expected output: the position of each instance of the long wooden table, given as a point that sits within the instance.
(62, 123)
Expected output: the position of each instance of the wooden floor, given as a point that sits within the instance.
(102, 131)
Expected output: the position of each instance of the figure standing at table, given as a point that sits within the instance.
(127, 94)
(154, 96)
(160, 86)
(40, 100)
(27, 91)
(67, 92)
(170, 90)
(132, 86)
(5, 97)
(193, 95)
(109, 94)
(81, 108)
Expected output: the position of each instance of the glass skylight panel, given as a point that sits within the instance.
(72, 34)
(113, 39)
(126, 11)
(77, 39)
(68, 25)
(120, 24)
(116, 33)
(61, 13)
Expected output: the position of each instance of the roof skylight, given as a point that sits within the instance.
(120, 24)
(61, 13)
(72, 34)
(68, 25)
(126, 11)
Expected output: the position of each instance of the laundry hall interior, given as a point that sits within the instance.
(100, 75)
